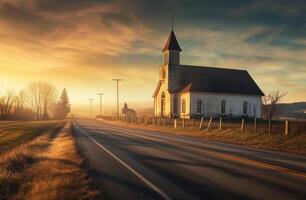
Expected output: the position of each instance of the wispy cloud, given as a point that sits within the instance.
(83, 44)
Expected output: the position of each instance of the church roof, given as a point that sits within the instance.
(172, 43)
(217, 80)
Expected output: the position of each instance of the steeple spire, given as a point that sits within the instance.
(172, 21)
(172, 43)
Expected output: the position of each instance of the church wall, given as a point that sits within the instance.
(211, 104)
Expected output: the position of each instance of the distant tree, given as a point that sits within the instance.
(62, 108)
(48, 98)
(6, 103)
(270, 102)
(18, 107)
(41, 96)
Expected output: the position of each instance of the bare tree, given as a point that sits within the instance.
(6, 103)
(270, 102)
(19, 101)
(41, 96)
(48, 98)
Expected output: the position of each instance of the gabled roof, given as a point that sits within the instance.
(172, 43)
(217, 80)
(157, 88)
(187, 88)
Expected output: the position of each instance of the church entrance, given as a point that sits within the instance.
(162, 104)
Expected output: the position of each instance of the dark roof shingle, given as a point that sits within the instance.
(217, 80)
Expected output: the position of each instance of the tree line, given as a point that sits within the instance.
(38, 101)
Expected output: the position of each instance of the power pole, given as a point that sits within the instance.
(117, 80)
(101, 94)
(90, 100)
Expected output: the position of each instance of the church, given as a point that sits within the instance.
(186, 91)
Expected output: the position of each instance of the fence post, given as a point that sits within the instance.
(242, 125)
(146, 121)
(286, 127)
(220, 124)
(209, 124)
(201, 123)
(269, 131)
(175, 123)
(183, 123)
(164, 121)
(194, 122)
(255, 124)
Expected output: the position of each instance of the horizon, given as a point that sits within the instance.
(59, 44)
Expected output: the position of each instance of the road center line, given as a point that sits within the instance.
(142, 178)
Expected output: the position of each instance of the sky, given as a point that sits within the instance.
(83, 44)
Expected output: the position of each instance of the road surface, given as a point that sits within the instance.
(143, 164)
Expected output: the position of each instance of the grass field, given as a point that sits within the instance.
(14, 133)
(39, 160)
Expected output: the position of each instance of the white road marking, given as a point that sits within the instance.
(142, 178)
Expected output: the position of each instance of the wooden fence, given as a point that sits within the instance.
(254, 125)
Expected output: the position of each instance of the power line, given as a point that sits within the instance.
(205, 35)
(285, 29)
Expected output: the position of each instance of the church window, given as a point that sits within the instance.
(163, 104)
(245, 107)
(183, 106)
(174, 104)
(199, 106)
(223, 106)
(254, 110)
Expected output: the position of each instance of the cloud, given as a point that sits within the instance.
(75, 42)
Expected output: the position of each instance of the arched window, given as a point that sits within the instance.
(162, 103)
(245, 107)
(199, 106)
(183, 106)
(175, 104)
(223, 106)
(254, 110)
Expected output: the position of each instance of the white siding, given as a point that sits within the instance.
(211, 104)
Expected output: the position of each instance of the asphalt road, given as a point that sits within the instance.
(142, 164)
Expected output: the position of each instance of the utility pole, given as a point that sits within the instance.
(117, 80)
(101, 94)
(90, 100)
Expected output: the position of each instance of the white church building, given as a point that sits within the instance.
(186, 91)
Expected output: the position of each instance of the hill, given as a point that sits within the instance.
(292, 110)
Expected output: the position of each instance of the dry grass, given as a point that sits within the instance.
(47, 167)
(293, 143)
(14, 133)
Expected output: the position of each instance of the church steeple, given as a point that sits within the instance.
(172, 48)
(172, 43)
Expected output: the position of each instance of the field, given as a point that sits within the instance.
(39, 160)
